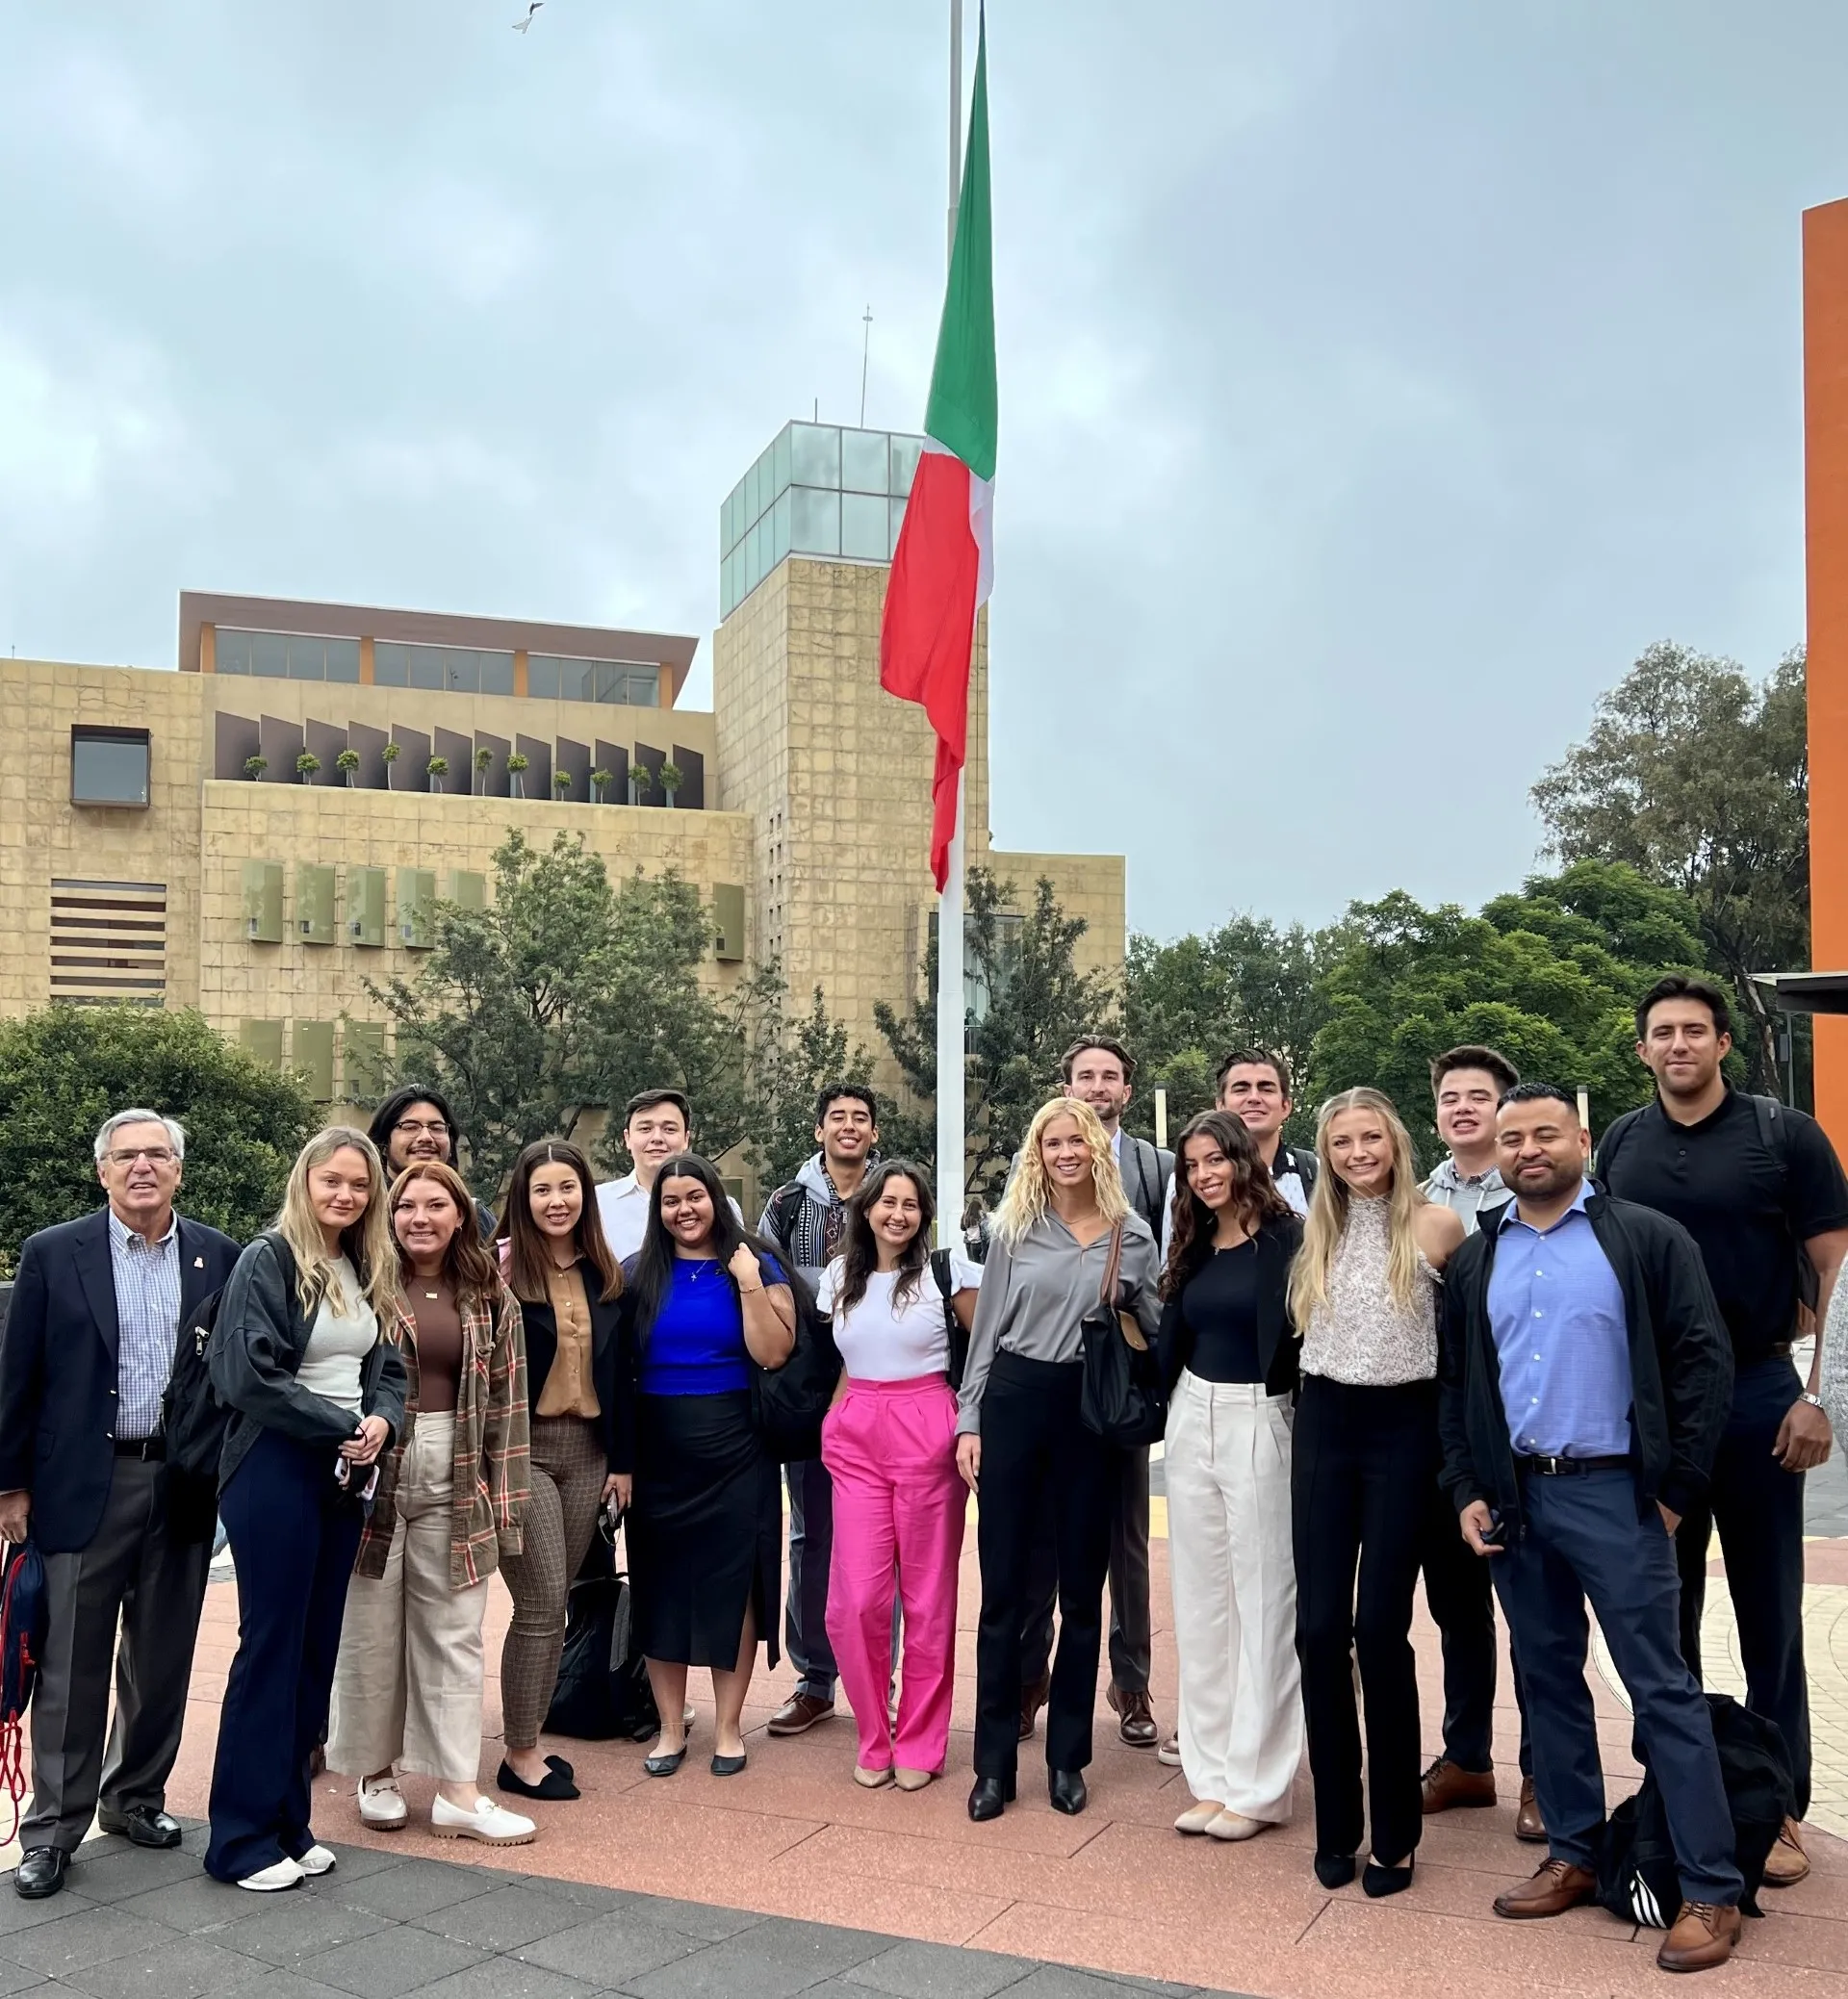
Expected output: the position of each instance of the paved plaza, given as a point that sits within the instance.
(789, 1877)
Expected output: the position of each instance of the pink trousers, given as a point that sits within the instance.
(890, 1449)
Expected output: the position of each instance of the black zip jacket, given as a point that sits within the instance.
(1278, 1348)
(1681, 1364)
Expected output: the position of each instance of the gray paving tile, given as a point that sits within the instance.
(17, 1916)
(282, 1985)
(1063, 1982)
(506, 1978)
(183, 1967)
(87, 1937)
(937, 1971)
(702, 1919)
(610, 1950)
(285, 1929)
(389, 1962)
(503, 1918)
(15, 1977)
(411, 1888)
(194, 1907)
(355, 1863)
(116, 1870)
(774, 1959)
(1165, 1987)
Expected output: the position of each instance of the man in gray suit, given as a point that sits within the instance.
(89, 1348)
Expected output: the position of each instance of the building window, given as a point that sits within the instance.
(286, 655)
(108, 942)
(442, 668)
(109, 766)
(616, 681)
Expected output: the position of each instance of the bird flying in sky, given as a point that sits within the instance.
(520, 27)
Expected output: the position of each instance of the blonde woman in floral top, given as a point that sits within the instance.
(1363, 1290)
(407, 1688)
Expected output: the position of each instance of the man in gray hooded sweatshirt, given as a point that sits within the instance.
(805, 1220)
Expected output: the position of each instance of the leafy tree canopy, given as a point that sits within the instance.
(65, 1070)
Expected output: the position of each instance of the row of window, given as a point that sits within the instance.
(308, 1046)
(285, 656)
(322, 917)
(827, 456)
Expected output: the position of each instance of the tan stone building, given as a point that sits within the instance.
(261, 832)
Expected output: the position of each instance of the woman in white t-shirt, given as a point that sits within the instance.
(889, 1443)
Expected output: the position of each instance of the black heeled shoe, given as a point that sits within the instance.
(1067, 1790)
(1378, 1881)
(552, 1788)
(990, 1798)
(1334, 1870)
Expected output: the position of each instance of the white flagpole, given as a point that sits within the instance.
(950, 1029)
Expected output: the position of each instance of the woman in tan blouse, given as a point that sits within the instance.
(560, 1268)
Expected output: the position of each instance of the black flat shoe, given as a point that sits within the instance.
(1334, 1870)
(41, 1873)
(1378, 1881)
(551, 1788)
(990, 1798)
(728, 1766)
(563, 1768)
(1067, 1792)
(664, 1762)
(141, 1824)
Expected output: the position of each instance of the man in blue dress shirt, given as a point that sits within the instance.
(1585, 1381)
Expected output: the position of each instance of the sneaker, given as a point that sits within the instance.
(316, 1861)
(490, 1823)
(266, 1881)
(381, 1804)
(1169, 1752)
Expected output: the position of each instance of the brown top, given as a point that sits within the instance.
(439, 1342)
(569, 1389)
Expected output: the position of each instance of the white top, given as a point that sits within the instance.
(883, 1341)
(1359, 1335)
(621, 1206)
(339, 1342)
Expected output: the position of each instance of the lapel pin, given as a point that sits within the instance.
(199, 1263)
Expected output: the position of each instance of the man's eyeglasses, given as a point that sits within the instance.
(155, 1155)
(414, 1127)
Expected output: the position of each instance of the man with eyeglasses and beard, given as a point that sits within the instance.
(415, 1125)
(96, 1310)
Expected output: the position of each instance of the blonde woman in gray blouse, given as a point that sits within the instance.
(1364, 1291)
(1022, 1444)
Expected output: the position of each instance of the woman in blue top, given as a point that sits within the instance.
(707, 1300)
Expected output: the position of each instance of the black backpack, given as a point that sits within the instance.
(603, 1691)
(942, 1270)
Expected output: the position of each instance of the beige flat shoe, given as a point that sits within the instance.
(913, 1779)
(1234, 1825)
(871, 1780)
(1196, 1818)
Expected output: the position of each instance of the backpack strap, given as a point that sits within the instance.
(946, 1276)
(943, 1272)
(784, 1204)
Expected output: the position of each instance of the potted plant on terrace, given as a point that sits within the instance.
(561, 783)
(391, 752)
(347, 764)
(307, 764)
(516, 774)
(438, 768)
(599, 784)
(483, 756)
(255, 767)
(672, 777)
(640, 777)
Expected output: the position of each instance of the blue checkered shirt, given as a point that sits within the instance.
(1556, 1311)
(147, 1314)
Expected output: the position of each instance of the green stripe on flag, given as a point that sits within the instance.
(962, 412)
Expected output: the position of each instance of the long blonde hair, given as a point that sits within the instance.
(1029, 1191)
(1328, 1210)
(367, 1242)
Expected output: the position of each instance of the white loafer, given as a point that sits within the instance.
(266, 1881)
(381, 1804)
(317, 1862)
(488, 1823)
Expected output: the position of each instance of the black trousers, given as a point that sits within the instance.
(1364, 1460)
(1758, 1507)
(1130, 1632)
(1459, 1592)
(1037, 1454)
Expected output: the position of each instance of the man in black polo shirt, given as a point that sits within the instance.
(1760, 1189)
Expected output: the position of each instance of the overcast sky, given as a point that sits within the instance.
(1377, 378)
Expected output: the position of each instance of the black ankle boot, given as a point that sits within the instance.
(990, 1796)
(1066, 1789)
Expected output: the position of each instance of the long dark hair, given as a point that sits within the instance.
(652, 1270)
(1255, 1200)
(466, 1262)
(860, 1248)
(395, 1106)
(528, 1256)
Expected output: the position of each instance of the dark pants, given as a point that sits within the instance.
(1581, 1539)
(294, 1536)
(812, 1547)
(1037, 1456)
(1460, 1595)
(132, 1571)
(1758, 1507)
(1363, 1461)
(1131, 1639)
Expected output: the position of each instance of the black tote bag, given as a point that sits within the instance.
(1120, 1400)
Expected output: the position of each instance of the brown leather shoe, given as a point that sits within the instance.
(797, 1715)
(1448, 1786)
(1787, 1863)
(1556, 1888)
(1703, 1936)
(1528, 1825)
(1136, 1718)
(1032, 1698)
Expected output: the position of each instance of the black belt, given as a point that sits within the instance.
(152, 1449)
(1561, 1467)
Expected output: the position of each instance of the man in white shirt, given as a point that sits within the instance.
(1254, 1084)
(657, 1124)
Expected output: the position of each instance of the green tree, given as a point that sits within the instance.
(65, 1070)
(786, 1057)
(1699, 778)
(1549, 976)
(1028, 1003)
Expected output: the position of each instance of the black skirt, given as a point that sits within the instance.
(705, 1531)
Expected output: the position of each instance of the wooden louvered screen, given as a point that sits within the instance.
(108, 942)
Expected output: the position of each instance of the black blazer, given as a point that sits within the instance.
(613, 1382)
(58, 1369)
(1279, 1348)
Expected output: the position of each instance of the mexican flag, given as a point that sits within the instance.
(943, 567)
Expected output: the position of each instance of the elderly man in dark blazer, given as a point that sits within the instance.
(88, 1350)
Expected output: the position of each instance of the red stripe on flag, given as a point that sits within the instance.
(928, 627)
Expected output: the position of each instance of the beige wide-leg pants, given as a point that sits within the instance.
(407, 1686)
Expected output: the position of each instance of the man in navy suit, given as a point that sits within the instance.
(88, 1350)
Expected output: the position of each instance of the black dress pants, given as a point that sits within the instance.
(1037, 1454)
(1459, 1592)
(1363, 1462)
